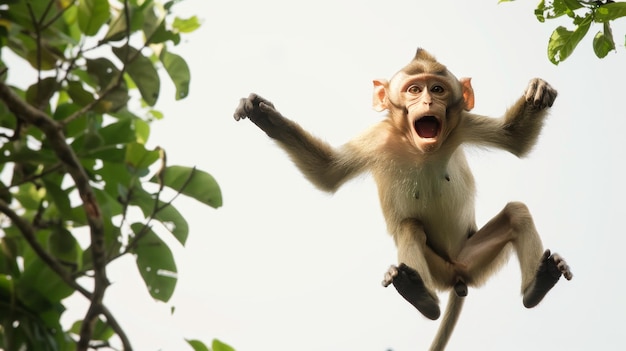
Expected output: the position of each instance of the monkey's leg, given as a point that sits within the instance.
(486, 250)
(418, 264)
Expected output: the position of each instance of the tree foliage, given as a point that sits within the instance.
(74, 159)
(583, 15)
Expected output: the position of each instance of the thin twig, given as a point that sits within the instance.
(58, 15)
(35, 23)
(33, 177)
(155, 211)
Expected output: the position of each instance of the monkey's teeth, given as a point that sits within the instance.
(427, 127)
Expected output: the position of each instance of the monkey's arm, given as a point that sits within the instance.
(324, 166)
(517, 131)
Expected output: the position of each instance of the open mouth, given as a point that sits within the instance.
(427, 126)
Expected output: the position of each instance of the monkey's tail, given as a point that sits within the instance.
(453, 310)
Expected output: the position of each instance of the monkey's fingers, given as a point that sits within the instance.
(545, 95)
(273, 116)
(260, 100)
(243, 110)
(540, 93)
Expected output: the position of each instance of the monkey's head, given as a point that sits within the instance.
(424, 100)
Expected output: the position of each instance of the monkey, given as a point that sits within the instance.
(425, 186)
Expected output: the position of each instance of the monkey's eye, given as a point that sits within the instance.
(437, 89)
(414, 89)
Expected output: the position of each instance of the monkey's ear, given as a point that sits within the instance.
(468, 93)
(379, 101)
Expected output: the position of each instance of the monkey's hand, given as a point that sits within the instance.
(540, 94)
(262, 113)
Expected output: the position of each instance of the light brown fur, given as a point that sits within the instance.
(425, 187)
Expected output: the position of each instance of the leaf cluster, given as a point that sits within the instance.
(583, 15)
(74, 159)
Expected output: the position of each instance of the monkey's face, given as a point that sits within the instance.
(424, 99)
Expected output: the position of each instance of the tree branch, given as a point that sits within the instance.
(28, 232)
(64, 152)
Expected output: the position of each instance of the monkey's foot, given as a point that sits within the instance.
(550, 269)
(411, 286)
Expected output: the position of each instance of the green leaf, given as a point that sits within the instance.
(168, 215)
(63, 245)
(178, 71)
(58, 197)
(153, 19)
(197, 345)
(118, 133)
(158, 115)
(114, 100)
(142, 130)
(102, 331)
(539, 11)
(174, 222)
(162, 34)
(186, 25)
(193, 183)
(8, 258)
(92, 14)
(563, 42)
(109, 204)
(220, 346)
(79, 95)
(554, 9)
(155, 263)
(603, 42)
(29, 196)
(20, 153)
(611, 11)
(117, 28)
(7, 118)
(108, 153)
(142, 72)
(39, 94)
(138, 157)
(65, 110)
(572, 4)
(39, 286)
(103, 70)
(115, 175)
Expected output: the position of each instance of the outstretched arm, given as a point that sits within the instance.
(517, 131)
(323, 165)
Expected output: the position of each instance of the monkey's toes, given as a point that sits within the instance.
(411, 286)
(391, 273)
(562, 266)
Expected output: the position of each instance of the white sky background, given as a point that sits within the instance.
(282, 266)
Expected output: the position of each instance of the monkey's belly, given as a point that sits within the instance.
(446, 211)
(446, 224)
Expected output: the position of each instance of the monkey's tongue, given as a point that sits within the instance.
(427, 127)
